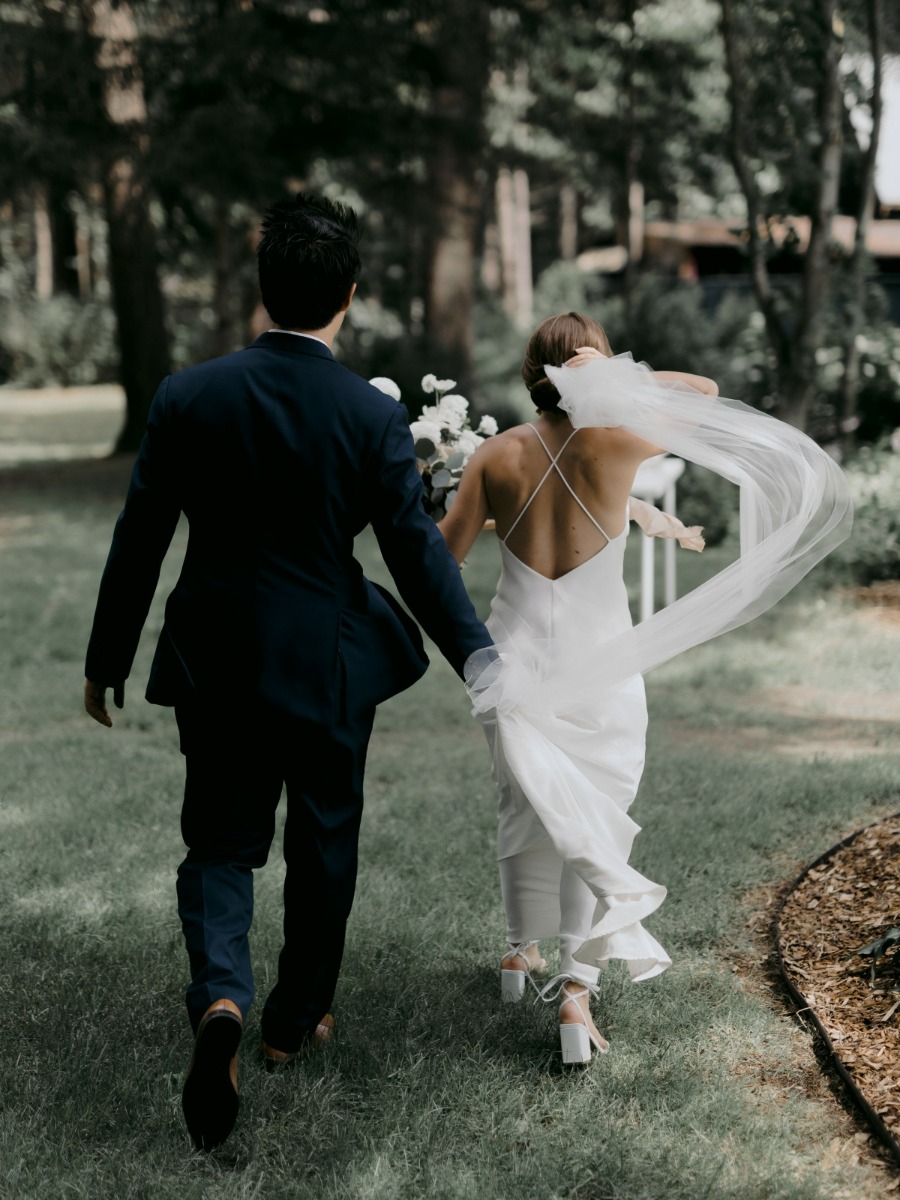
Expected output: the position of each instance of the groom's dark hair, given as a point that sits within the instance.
(308, 260)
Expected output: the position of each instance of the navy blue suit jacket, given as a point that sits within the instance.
(279, 456)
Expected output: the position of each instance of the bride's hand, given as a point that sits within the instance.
(582, 355)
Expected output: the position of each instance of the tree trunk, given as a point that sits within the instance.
(856, 268)
(514, 225)
(635, 223)
(506, 233)
(450, 285)
(491, 273)
(568, 223)
(795, 354)
(137, 297)
(43, 245)
(458, 41)
(757, 228)
(817, 267)
(524, 276)
(65, 241)
(83, 256)
(223, 300)
(632, 193)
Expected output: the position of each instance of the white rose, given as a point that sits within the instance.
(432, 413)
(488, 426)
(426, 429)
(468, 442)
(454, 411)
(386, 385)
(429, 383)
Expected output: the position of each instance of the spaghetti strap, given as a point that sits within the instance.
(553, 458)
(541, 481)
(554, 466)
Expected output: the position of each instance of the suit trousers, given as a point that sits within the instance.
(237, 764)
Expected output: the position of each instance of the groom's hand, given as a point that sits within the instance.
(95, 701)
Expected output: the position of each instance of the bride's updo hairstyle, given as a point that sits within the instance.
(554, 342)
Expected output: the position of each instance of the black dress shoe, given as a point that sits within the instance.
(209, 1099)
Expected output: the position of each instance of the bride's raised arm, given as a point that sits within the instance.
(700, 383)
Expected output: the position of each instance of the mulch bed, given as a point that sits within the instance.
(844, 901)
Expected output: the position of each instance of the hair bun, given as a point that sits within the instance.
(544, 394)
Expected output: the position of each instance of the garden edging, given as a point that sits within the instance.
(807, 1011)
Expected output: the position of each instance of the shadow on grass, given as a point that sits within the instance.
(104, 479)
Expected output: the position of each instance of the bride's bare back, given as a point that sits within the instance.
(554, 534)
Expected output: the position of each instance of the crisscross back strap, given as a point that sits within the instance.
(554, 466)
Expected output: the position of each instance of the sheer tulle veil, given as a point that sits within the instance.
(795, 508)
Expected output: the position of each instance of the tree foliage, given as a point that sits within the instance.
(606, 112)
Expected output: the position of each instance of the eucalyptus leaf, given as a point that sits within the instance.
(425, 447)
(456, 460)
(450, 499)
(438, 513)
(881, 944)
(441, 479)
(880, 947)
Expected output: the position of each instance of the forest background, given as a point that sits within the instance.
(507, 160)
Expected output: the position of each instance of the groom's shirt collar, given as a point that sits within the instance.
(294, 333)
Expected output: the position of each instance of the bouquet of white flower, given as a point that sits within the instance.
(445, 441)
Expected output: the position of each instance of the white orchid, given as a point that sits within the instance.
(387, 386)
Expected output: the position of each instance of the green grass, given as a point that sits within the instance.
(433, 1090)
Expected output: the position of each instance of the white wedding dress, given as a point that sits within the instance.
(591, 901)
(560, 693)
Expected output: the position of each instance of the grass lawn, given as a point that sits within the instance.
(764, 747)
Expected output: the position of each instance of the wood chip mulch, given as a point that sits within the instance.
(845, 901)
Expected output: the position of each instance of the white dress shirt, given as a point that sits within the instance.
(294, 333)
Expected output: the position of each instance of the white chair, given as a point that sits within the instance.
(655, 482)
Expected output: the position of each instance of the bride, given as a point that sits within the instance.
(563, 700)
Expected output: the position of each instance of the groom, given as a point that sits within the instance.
(275, 649)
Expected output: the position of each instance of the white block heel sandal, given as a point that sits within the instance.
(512, 986)
(514, 978)
(575, 1043)
(577, 1040)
